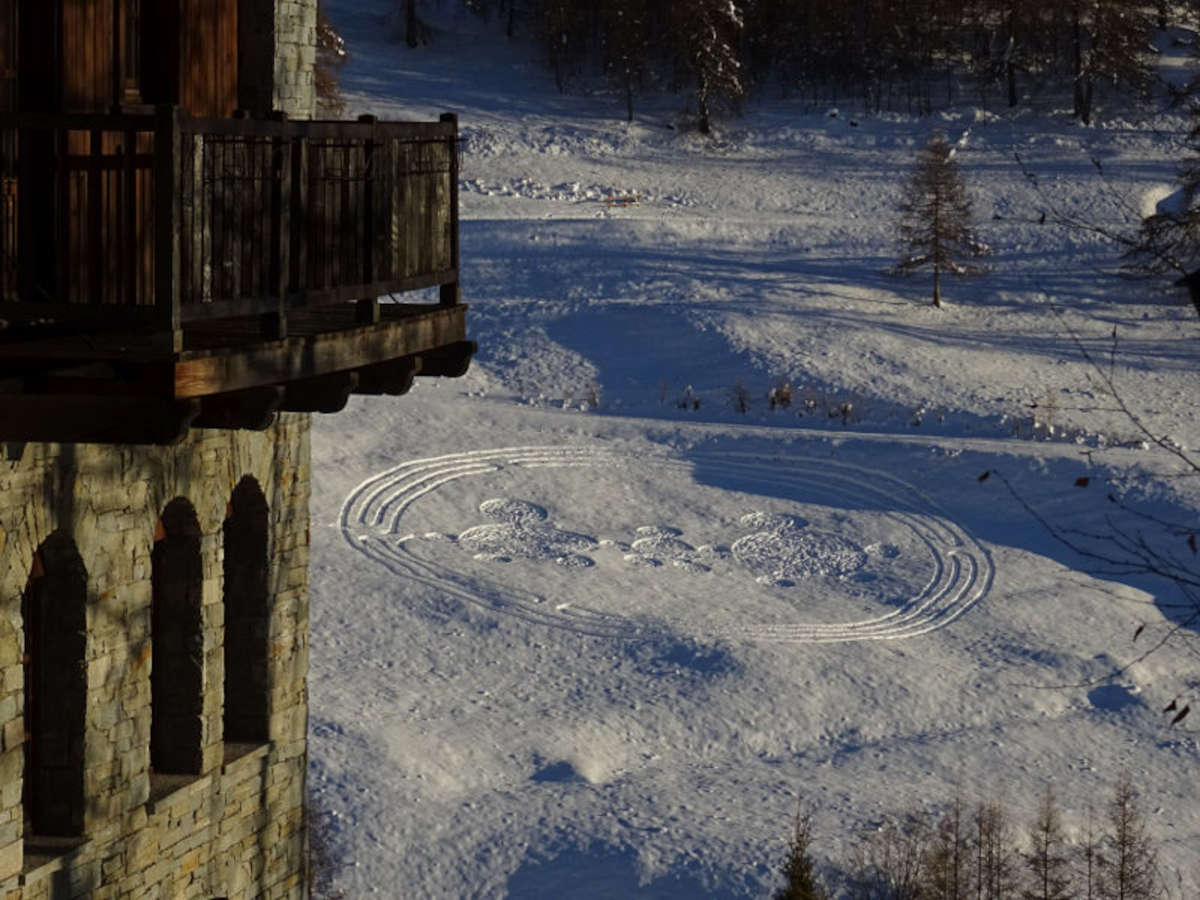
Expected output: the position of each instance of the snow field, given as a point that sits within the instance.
(573, 639)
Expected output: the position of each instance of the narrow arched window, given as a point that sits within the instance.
(177, 638)
(247, 615)
(54, 610)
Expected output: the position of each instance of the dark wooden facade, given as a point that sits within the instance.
(89, 56)
(157, 248)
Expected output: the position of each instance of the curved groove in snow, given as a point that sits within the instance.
(961, 572)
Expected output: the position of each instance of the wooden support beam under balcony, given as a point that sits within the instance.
(110, 388)
(90, 419)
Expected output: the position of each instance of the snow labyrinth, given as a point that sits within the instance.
(960, 571)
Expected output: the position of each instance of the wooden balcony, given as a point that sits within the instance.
(160, 272)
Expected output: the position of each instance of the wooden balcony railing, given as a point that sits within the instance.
(154, 220)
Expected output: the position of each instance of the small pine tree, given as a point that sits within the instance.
(1046, 861)
(798, 870)
(935, 217)
(1129, 867)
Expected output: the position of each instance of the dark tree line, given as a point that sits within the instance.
(882, 53)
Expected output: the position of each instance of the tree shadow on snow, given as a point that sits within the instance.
(602, 873)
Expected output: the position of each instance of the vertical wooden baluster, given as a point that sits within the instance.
(166, 226)
(451, 293)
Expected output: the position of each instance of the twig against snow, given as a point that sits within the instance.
(1107, 379)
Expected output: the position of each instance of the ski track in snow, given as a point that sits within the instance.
(961, 570)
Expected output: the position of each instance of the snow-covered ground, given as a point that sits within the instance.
(581, 628)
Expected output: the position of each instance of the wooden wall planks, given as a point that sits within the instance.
(208, 56)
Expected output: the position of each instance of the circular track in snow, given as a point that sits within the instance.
(780, 550)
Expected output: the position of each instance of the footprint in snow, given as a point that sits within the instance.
(521, 531)
(656, 545)
(783, 548)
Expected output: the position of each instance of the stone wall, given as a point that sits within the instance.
(278, 53)
(232, 827)
(295, 57)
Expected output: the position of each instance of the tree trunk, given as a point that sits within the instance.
(1077, 65)
(1192, 282)
(1010, 69)
(628, 99)
(937, 285)
(1085, 108)
(410, 23)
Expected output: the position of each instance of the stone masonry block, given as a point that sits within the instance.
(11, 858)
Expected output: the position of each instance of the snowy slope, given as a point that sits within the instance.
(573, 640)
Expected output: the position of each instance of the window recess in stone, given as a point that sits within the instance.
(177, 638)
(53, 609)
(247, 601)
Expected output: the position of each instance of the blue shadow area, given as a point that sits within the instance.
(1038, 507)
(644, 346)
(1113, 698)
(606, 873)
(561, 772)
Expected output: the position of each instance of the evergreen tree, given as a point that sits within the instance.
(1046, 860)
(626, 35)
(708, 35)
(798, 870)
(1108, 40)
(935, 217)
(1010, 41)
(774, 32)
(564, 30)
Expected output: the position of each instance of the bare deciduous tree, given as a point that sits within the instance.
(947, 864)
(1047, 861)
(889, 864)
(1128, 866)
(994, 857)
